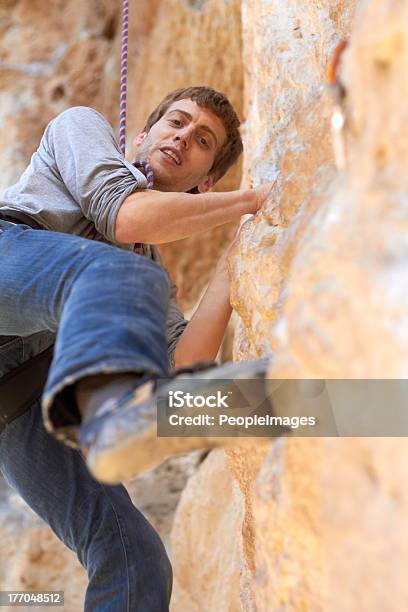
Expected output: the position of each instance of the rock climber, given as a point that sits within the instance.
(71, 277)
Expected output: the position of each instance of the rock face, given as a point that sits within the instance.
(32, 558)
(316, 525)
(287, 139)
(328, 518)
(52, 56)
(215, 517)
(324, 264)
(318, 281)
(357, 286)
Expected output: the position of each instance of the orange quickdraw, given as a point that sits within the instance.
(338, 120)
(332, 68)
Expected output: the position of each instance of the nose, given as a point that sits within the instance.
(184, 137)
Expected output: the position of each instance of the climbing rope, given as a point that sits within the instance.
(144, 166)
(123, 76)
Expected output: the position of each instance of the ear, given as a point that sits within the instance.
(206, 184)
(139, 139)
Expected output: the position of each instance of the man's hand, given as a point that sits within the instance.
(260, 195)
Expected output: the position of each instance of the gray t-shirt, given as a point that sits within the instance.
(76, 182)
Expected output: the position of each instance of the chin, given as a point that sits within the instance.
(164, 178)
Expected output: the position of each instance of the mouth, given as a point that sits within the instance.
(172, 155)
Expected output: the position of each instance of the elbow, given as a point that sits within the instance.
(122, 234)
(128, 231)
(129, 222)
(119, 237)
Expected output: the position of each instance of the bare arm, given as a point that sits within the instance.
(201, 339)
(156, 217)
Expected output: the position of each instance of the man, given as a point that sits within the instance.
(109, 310)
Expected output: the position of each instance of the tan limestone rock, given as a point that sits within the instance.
(52, 56)
(319, 283)
(317, 525)
(156, 493)
(345, 310)
(32, 558)
(287, 139)
(330, 526)
(213, 537)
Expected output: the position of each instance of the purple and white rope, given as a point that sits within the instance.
(147, 170)
(144, 166)
(123, 76)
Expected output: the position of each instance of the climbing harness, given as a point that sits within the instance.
(22, 386)
(338, 119)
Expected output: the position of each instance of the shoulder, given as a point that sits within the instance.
(79, 123)
(82, 115)
(83, 111)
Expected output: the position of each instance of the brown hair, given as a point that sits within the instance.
(220, 106)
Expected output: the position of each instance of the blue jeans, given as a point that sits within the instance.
(107, 308)
(127, 564)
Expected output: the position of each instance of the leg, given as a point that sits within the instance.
(126, 561)
(108, 305)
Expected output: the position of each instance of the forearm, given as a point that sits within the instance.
(155, 217)
(202, 337)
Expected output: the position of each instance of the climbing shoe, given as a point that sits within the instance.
(123, 442)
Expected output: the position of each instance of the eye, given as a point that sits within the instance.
(176, 122)
(203, 141)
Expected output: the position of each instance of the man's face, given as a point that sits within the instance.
(181, 147)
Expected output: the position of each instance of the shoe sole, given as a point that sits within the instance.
(133, 447)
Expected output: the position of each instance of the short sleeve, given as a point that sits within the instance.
(81, 147)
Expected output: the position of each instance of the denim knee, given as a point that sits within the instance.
(110, 258)
(120, 547)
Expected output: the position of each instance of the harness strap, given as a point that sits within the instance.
(21, 387)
